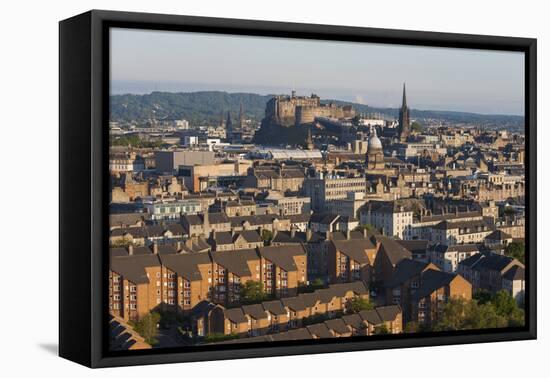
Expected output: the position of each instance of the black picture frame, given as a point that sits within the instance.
(83, 212)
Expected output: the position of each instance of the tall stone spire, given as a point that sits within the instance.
(228, 123)
(404, 119)
(404, 103)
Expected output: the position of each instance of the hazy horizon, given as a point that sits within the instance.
(463, 80)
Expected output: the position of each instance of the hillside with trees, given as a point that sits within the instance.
(201, 108)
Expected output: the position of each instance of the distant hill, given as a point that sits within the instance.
(197, 107)
(201, 108)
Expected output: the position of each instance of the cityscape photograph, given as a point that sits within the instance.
(269, 189)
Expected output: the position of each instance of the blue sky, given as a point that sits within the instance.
(479, 81)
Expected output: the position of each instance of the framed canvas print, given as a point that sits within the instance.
(234, 188)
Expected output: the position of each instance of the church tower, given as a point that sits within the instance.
(404, 120)
(309, 141)
(228, 125)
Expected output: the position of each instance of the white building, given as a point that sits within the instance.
(447, 257)
(390, 217)
(172, 210)
(182, 124)
(464, 232)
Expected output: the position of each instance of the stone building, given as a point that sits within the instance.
(297, 110)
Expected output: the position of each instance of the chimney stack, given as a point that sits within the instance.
(308, 234)
(130, 249)
(292, 232)
(155, 248)
(365, 232)
(348, 234)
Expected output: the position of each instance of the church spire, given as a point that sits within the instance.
(228, 123)
(241, 115)
(404, 119)
(404, 105)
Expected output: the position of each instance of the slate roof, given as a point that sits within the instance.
(393, 250)
(133, 267)
(256, 311)
(515, 273)
(285, 237)
(125, 218)
(283, 256)
(254, 220)
(213, 218)
(355, 249)
(432, 280)
(498, 235)
(446, 225)
(417, 247)
(251, 236)
(235, 261)
(388, 313)
(370, 316)
(298, 334)
(294, 303)
(299, 218)
(405, 270)
(274, 307)
(488, 261)
(136, 232)
(186, 264)
(235, 315)
(353, 320)
(320, 330)
(337, 325)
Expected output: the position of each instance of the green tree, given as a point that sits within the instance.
(381, 330)
(415, 126)
(369, 227)
(216, 337)
(253, 292)
(516, 250)
(267, 236)
(459, 314)
(509, 211)
(360, 304)
(147, 327)
(411, 327)
(482, 296)
(504, 303)
(314, 285)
